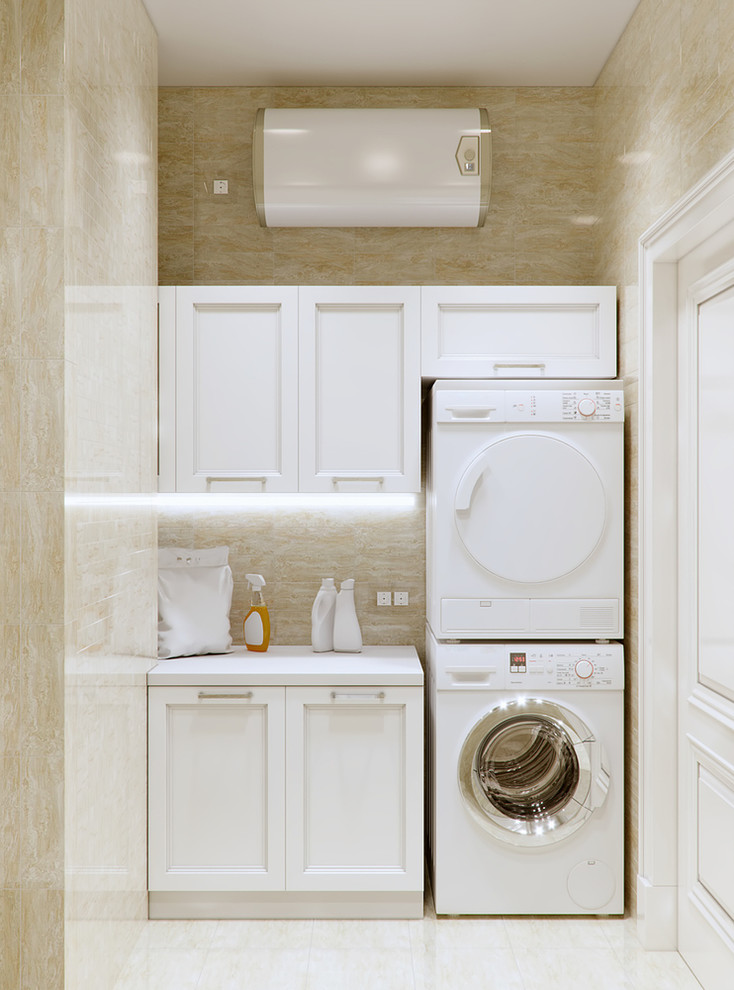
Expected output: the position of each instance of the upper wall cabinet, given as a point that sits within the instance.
(519, 331)
(229, 389)
(285, 389)
(360, 395)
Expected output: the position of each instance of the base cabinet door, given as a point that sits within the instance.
(354, 780)
(216, 793)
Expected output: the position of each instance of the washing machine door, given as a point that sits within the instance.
(530, 508)
(531, 772)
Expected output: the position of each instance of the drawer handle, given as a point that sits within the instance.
(340, 696)
(240, 696)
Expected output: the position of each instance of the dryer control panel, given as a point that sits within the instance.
(528, 405)
(528, 666)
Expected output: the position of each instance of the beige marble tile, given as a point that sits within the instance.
(42, 578)
(10, 291)
(42, 689)
(10, 822)
(10, 116)
(42, 46)
(10, 31)
(42, 939)
(42, 820)
(10, 572)
(42, 297)
(10, 390)
(314, 256)
(42, 157)
(10, 690)
(9, 938)
(230, 255)
(395, 256)
(42, 426)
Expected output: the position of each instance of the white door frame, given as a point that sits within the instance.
(703, 211)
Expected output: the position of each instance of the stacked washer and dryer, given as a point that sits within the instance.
(525, 518)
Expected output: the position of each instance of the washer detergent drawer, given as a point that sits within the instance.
(513, 615)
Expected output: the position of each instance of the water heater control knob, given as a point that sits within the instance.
(584, 669)
(586, 406)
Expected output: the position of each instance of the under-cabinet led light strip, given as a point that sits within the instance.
(252, 502)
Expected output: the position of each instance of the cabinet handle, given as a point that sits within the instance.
(538, 366)
(240, 483)
(355, 484)
(241, 696)
(376, 696)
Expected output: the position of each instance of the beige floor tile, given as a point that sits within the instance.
(467, 968)
(263, 935)
(360, 969)
(163, 969)
(254, 969)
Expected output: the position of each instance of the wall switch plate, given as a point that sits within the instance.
(221, 187)
(400, 598)
(384, 598)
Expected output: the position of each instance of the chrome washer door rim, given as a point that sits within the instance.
(557, 789)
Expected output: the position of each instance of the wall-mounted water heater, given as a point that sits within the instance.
(317, 167)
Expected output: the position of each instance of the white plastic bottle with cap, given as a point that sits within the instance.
(347, 634)
(322, 617)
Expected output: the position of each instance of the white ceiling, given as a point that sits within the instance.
(385, 42)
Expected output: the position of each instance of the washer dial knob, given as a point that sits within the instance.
(586, 406)
(584, 669)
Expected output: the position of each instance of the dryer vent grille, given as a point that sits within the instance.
(598, 617)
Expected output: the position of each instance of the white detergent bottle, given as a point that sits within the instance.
(322, 617)
(347, 634)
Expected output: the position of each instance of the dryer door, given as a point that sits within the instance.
(530, 508)
(531, 772)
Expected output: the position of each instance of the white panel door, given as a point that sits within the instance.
(355, 788)
(511, 331)
(706, 630)
(236, 389)
(216, 790)
(360, 388)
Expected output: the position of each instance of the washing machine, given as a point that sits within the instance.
(525, 510)
(526, 799)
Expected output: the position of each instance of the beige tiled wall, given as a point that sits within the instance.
(31, 495)
(110, 437)
(52, 113)
(537, 232)
(665, 116)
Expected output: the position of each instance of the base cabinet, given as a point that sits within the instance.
(297, 793)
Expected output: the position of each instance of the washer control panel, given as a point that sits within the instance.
(578, 665)
(530, 666)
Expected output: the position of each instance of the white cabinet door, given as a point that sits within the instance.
(519, 331)
(360, 396)
(216, 792)
(236, 388)
(354, 780)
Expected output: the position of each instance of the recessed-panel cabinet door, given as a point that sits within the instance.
(216, 793)
(236, 389)
(354, 783)
(360, 388)
(519, 331)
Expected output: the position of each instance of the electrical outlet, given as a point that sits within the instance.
(220, 187)
(384, 598)
(400, 598)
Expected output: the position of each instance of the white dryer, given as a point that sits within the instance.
(525, 510)
(526, 806)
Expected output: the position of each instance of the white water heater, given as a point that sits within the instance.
(318, 167)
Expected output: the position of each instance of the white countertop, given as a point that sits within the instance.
(293, 665)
